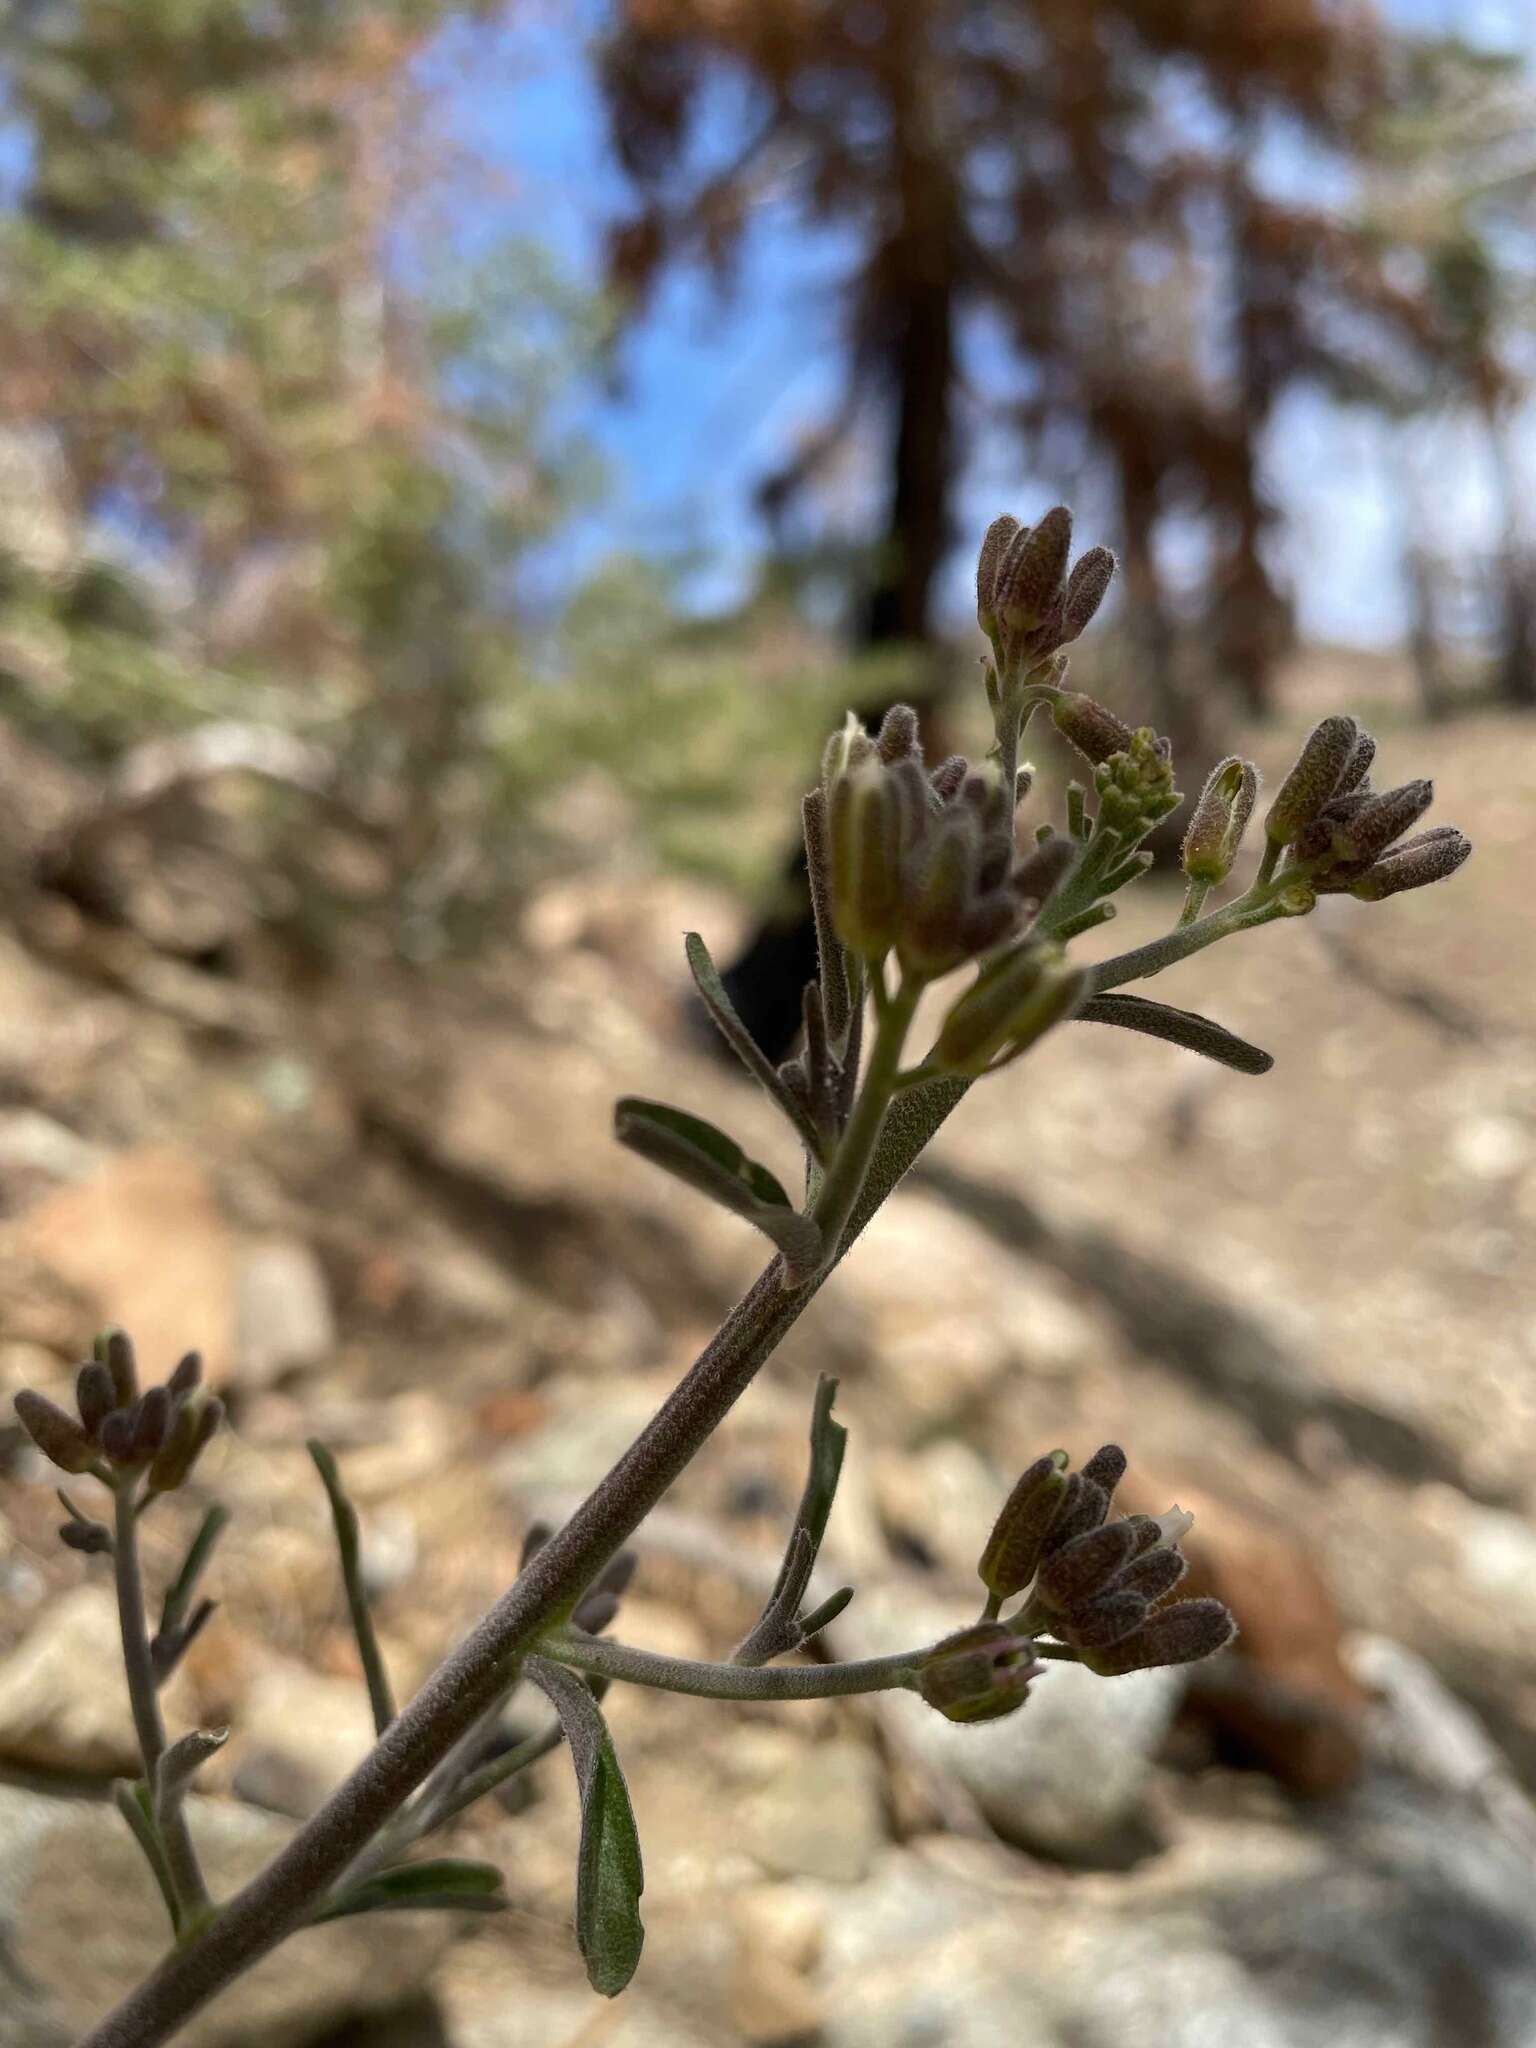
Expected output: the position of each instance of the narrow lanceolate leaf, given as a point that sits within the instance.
(704, 1157)
(779, 1628)
(746, 1048)
(609, 1876)
(1179, 1027)
(446, 1884)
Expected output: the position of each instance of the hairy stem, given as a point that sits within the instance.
(601, 1658)
(850, 1165)
(144, 1698)
(1256, 908)
(464, 1685)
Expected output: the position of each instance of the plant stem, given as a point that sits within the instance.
(846, 1174)
(464, 1685)
(1194, 901)
(144, 1697)
(601, 1658)
(1256, 908)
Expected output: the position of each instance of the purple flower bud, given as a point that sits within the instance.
(1030, 572)
(897, 738)
(95, 1395)
(1316, 776)
(1414, 864)
(115, 1347)
(1181, 1634)
(994, 545)
(57, 1435)
(186, 1377)
(1092, 728)
(1086, 586)
(1085, 1566)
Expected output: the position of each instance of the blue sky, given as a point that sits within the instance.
(713, 389)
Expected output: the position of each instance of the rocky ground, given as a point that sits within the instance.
(395, 1217)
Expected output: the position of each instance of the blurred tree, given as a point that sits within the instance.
(1104, 181)
(307, 438)
(1456, 185)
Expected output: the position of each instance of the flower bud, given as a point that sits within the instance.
(980, 1673)
(1381, 819)
(116, 1348)
(1011, 1003)
(1091, 727)
(57, 1435)
(187, 1376)
(93, 1538)
(994, 545)
(1181, 1634)
(864, 830)
(897, 738)
(1357, 768)
(948, 776)
(95, 1395)
(1086, 586)
(933, 937)
(1076, 1572)
(1105, 1470)
(151, 1419)
(849, 748)
(1012, 1555)
(1429, 857)
(1316, 776)
(1220, 819)
(1030, 572)
(192, 1426)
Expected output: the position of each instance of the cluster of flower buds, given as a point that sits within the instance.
(1027, 603)
(925, 864)
(980, 1673)
(1341, 835)
(123, 1433)
(1135, 784)
(1095, 1584)
(1219, 820)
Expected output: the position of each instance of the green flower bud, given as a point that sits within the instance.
(192, 1426)
(849, 748)
(897, 738)
(864, 830)
(934, 934)
(1220, 819)
(1319, 769)
(1013, 1001)
(57, 1435)
(1013, 1551)
(980, 1673)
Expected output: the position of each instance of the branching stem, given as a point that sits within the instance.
(600, 1658)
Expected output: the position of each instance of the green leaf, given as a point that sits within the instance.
(746, 1048)
(696, 1152)
(1178, 1027)
(609, 1875)
(446, 1884)
(779, 1627)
